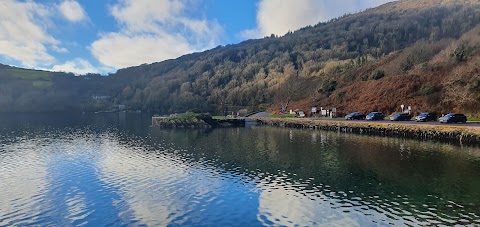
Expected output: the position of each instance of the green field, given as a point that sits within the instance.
(26, 74)
(40, 79)
(285, 116)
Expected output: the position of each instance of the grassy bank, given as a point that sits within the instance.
(473, 119)
(196, 120)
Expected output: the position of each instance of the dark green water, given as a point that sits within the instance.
(113, 169)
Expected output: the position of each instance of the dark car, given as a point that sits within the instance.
(375, 116)
(453, 118)
(355, 116)
(424, 117)
(401, 117)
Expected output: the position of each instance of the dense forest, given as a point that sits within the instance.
(423, 53)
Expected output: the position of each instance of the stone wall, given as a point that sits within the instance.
(443, 133)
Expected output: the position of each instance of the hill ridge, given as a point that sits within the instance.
(327, 64)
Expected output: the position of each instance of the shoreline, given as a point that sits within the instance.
(196, 121)
(441, 133)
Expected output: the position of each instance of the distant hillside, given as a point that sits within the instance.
(25, 90)
(423, 53)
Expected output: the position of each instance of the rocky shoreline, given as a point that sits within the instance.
(167, 122)
(442, 133)
(196, 121)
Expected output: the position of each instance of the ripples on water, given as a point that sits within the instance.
(111, 170)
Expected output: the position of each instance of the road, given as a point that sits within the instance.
(468, 125)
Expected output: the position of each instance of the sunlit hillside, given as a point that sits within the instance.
(422, 53)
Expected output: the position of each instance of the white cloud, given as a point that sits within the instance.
(152, 31)
(144, 15)
(58, 49)
(23, 35)
(121, 50)
(79, 66)
(72, 11)
(280, 16)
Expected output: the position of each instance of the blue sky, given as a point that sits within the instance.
(98, 36)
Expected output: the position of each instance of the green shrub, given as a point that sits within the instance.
(329, 86)
(426, 89)
(377, 74)
(408, 64)
(462, 52)
(475, 86)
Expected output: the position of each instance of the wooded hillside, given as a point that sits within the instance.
(423, 53)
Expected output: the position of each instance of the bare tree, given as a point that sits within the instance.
(288, 88)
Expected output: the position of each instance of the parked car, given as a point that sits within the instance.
(301, 114)
(375, 116)
(401, 117)
(453, 118)
(355, 116)
(424, 117)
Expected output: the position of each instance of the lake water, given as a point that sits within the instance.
(114, 170)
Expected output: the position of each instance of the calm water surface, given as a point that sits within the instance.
(114, 170)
